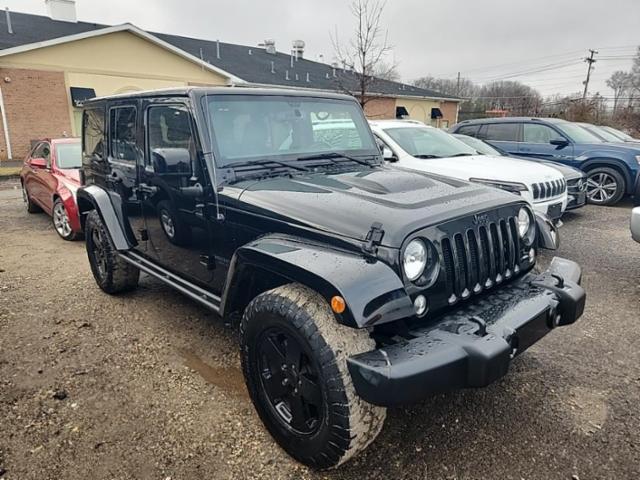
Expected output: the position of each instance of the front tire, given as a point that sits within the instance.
(111, 272)
(605, 186)
(294, 359)
(60, 219)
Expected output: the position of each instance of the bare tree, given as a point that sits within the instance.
(364, 56)
(620, 83)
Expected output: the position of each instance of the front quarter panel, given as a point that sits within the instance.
(372, 290)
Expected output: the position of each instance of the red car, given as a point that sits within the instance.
(50, 178)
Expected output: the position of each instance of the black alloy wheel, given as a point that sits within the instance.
(289, 380)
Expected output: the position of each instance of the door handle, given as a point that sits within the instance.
(150, 189)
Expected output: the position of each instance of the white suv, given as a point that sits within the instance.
(413, 145)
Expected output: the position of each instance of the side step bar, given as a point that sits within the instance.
(198, 294)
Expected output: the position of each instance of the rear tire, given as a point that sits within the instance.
(112, 273)
(311, 410)
(31, 207)
(605, 186)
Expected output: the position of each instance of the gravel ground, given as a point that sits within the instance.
(148, 385)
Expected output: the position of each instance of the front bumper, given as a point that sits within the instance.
(553, 208)
(576, 199)
(474, 345)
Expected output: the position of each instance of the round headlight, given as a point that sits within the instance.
(415, 259)
(524, 222)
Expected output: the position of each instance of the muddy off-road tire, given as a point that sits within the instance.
(309, 405)
(112, 273)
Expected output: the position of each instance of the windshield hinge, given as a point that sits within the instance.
(373, 239)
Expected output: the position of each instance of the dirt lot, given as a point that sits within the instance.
(148, 385)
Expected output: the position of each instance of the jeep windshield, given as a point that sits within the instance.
(271, 130)
(425, 142)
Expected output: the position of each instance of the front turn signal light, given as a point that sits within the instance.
(338, 305)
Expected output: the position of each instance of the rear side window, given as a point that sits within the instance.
(534, 133)
(500, 132)
(471, 130)
(93, 133)
(122, 126)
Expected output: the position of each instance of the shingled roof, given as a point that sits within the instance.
(251, 64)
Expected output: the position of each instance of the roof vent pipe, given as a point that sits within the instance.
(9, 27)
(273, 67)
(286, 74)
(62, 10)
(269, 46)
(298, 49)
(217, 48)
(308, 79)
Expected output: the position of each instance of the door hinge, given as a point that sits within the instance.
(373, 239)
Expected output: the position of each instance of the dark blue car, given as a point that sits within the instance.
(612, 169)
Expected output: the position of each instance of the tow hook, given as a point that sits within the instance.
(570, 296)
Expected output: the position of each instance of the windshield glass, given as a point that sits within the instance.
(478, 145)
(251, 127)
(577, 133)
(68, 155)
(424, 141)
(603, 133)
(618, 133)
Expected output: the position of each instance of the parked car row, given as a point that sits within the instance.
(609, 158)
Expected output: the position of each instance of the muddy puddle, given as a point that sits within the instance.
(228, 379)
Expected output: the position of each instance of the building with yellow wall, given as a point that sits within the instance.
(48, 65)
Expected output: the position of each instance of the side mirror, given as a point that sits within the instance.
(388, 155)
(559, 142)
(40, 163)
(171, 161)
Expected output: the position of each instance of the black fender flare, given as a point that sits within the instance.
(548, 237)
(372, 291)
(616, 164)
(94, 197)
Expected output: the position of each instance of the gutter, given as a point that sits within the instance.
(5, 125)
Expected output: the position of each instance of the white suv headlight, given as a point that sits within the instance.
(414, 259)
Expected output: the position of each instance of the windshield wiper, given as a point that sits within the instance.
(424, 155)
(462, 155)
(332, 156)
(266, 162)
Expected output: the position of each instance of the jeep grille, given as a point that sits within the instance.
(480, 257)
(544, 190)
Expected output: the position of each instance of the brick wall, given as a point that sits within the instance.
(449, 110)
(380, 108)
(36, 105)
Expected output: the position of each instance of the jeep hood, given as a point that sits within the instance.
(486, 167)
(348, 203)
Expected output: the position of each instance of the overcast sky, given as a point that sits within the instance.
(483, 39)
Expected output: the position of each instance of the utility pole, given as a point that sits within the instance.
(458, 85)
(590, 60)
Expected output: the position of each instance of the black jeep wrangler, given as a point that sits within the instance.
(356, 286)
